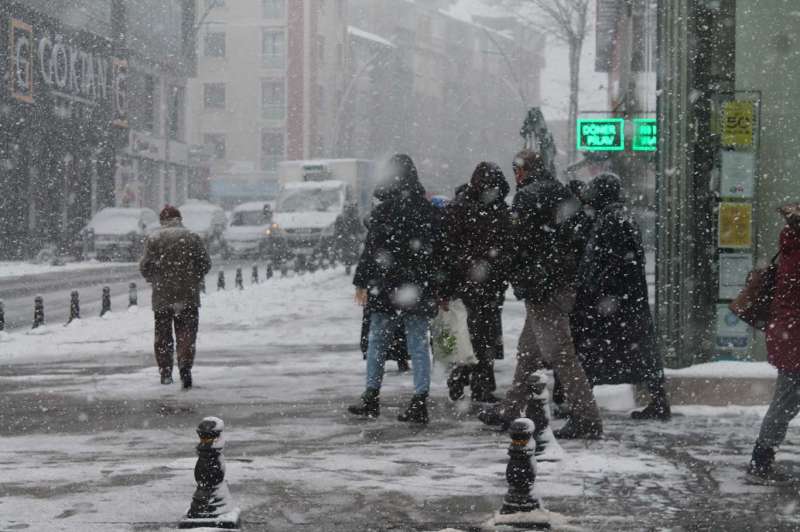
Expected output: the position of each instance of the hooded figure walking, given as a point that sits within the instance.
(396, 279)
(612, 323)
(175, 261)
(479, 240)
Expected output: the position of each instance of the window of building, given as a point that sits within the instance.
(273, 8)
(214, 95)
(216, 142)
(176, 126)
(272, 147)
(273, 49)
(215, 44)
(273, 99)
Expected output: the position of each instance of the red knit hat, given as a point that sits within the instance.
(168, 213)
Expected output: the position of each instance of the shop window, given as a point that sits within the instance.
(272, 147)
(273, 99)
(215, 44)
(214, 95)
(216, 142)
(273, 8)
(273, 49)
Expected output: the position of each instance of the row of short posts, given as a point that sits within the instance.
(239, 278)
(75, 306)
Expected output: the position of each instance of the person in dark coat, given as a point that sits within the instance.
(175, 261)
(612, 322)
(479, 240)
(783, 351)
(543, 275)
(396, 279)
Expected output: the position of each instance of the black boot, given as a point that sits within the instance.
(480, 384)
(369, 407)
(166, 375)
(658, 408)
(417, 411)
(402, 365)
(186, 378)
(761, 470)
(580, 429)
(458, 378)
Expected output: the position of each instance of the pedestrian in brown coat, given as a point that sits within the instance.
(175, 261)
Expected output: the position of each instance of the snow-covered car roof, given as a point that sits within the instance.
(199, 206)
(253, 206)
(314, 185)
(120, 220)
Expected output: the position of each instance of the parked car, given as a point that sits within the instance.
(250, 230)
(207, 220)
(118, 233)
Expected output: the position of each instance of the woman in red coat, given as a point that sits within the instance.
(783, 348)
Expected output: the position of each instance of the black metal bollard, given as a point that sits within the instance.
(2, 316)
(254, 274)
(300, 264)
(203, 285)
(221, 281)
(239, 279)
(74, 306)
(133, 296)
(106, 304)
(520, 475)
(212, 504)
(348, 269)
(269, 273)
(38, 312)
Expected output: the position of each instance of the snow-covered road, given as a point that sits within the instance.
(90, 441)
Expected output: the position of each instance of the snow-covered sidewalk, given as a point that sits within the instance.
(91, 441)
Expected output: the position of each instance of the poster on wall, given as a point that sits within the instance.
(735, 225)
(732, 333)
(738, 117)
(738, 174)
(733, 270)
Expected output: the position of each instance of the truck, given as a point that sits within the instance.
(318, 198)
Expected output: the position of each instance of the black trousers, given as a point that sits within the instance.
(485, 324)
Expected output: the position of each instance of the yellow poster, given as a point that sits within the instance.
(735, 225)
(737, 123)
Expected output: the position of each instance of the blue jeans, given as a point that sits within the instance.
(380, 331)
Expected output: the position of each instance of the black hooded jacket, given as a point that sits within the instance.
(545, 261)
(397, 265)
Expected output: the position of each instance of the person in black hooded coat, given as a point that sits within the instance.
(479, 240)
(397, 279)
(612, 323)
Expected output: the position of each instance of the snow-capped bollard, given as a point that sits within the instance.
(212, 505)
(74, 306)
(106, 304)
(269, 271)
(221, 281)
(203, 285)
(133, 296)
(254, 275)
(38, 312)
(239, 280)
(348, 269)
(300, 264)
(2, 316)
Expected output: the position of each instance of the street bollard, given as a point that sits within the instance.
(38, 312)
(106, 304)
(133, 296)
(2, 316)
(522, 509)
(221, 281)
(348, 269)
(254, 274)
(300, 264)
(74, 306)
(269, 271)
(239, 280)
(212, 505)
(203, 285)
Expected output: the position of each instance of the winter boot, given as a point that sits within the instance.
(761, 471)
(186, 378)
(497, 416)
(369, 407)
(578, 428)
(458, 378)
(481, 386)
(166, 375)
(417, 411)
(658, 408)
(547, 447)
(402, 365)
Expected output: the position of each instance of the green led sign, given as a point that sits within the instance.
(601, 134)
(645, 134)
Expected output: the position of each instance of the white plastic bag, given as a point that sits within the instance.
(450, 336)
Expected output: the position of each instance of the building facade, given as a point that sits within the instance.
(269, 81)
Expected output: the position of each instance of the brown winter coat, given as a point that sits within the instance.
(174, 262)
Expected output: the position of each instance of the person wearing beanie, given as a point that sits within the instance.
(175, 261)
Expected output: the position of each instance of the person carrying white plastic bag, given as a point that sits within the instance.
(450, 336)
